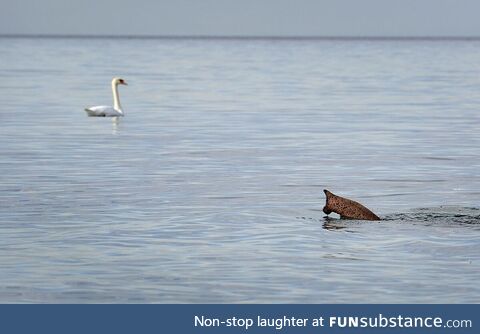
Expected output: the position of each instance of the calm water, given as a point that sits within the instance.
(210, 189)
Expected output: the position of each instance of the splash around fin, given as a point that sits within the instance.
(346, 208)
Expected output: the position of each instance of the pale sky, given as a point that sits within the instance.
(242, 17)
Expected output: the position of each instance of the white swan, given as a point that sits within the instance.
(108, 111)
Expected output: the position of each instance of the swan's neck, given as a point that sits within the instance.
(116, 97)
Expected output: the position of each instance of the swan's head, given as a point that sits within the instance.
(118, 81)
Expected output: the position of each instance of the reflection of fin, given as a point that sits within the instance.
(332, 226)
(346, 208)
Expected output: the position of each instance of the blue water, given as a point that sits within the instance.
(210, 188)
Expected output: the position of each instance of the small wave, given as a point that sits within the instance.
(448, 215)
(443, 215)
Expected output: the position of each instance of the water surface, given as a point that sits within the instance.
(210, 189)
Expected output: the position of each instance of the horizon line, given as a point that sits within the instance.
(244, 37)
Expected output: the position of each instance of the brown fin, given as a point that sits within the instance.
(326, 209)
(347, 208)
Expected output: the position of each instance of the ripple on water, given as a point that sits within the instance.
(443, 215)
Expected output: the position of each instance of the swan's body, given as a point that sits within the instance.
(108, 111)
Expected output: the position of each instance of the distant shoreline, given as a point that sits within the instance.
(239, 37)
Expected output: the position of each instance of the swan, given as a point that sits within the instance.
(108, 111)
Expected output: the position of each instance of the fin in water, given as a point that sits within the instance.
(346, 208)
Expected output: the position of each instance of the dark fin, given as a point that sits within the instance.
(326, 208)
